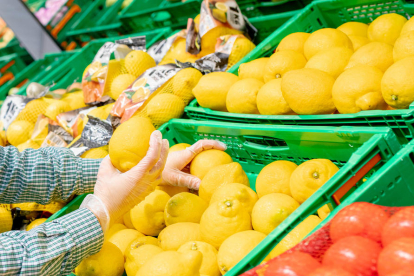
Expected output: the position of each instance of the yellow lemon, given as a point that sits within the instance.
(397, 84)
(275, 178)
(354, 28)
(179, 206)
(32, 111)
(123, 238)
(358, 41)
(172, 190)
(207, 160)
(376, 54)
(29, 144)
(324, 60)
(74, 99)
(241, 47)
(220, 175)
(140, 241)
(295, 42)
(253, 69)
(309, 177)
(211, 90)
(209, 40)
(96, 153)
(308, 91)
(223, 219)
(324, 39)
(56, 108)
(236, 247)
(183, 83)
(282, 62)
(137, 62)
(164, 107)
(107, 262)
(386, 28)
(209, 264)
(119, 84)
(324, 212)
(271, 210)
(179, 147)
(178, 52)
(295, 236)
(19, 132)
(6, 220)
(177, 234)
(358, 89)
(139, 256)
(130, 143)
(408, 26)
(113, 229)
(403, 46)
(241, 97)
(172, 263)
(246, 196)
(148, 216)
(35, 223)
(270, 99)
(127, 220)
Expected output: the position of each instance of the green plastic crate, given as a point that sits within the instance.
(11, 64)
(359, 152)
(13, 47)
(331, 13)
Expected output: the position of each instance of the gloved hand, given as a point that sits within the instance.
(116, 193)
(176, 162)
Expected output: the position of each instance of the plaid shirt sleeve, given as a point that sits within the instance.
(44, 175)
(53, 248)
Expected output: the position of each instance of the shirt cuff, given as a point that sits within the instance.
(89, 171)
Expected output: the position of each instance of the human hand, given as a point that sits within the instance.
(176, 162)
(116, 193)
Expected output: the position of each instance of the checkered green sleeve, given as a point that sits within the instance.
(53, 248)
(44, 175)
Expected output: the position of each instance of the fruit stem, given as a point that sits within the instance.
(193, 246)
(315, 175)
(228, 203)
(394, 97)
(278, 76)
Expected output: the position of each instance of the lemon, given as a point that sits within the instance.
(236, 247)
(178, 52)
(324, 212)
(209, 264)
(52, 207)
(148, 216)
(119, 84)
(358, 89)
(246, 196)
(408, 26)
(164, 107)
(179, 206)
(358, 41)
(130, 142)
(324, 39)
(178, 147)
(137, 62)
(172, 190)
(96, 153)
(270, 99)
(35, 223)
(209, 39)
(403, 46)
(177, 234)
(271, 210)
(6, 220)
(282, 62)
(113, 229)
(211, 90)
(295, 236)
(32, 111)
(140, 241)
(19, 132)
(324, 60)
(74, 99)
(123, 238)
(309, 177)
(223, 219)
(376, 54)
(386, 28)
(127, 220)
(253, 69)
(354, 28)
(183, 83)
(207, 160)
(139, 256)
(56, 108)
(241, 97)
(107, 262)
(295, 42)
(172, 263)
(29, 144)
(308, 91)
(220, 175)
(275, 178)
(397, 84)
(241, 47)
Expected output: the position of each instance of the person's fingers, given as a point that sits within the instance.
(178, 178)
(159, 166)
(106, 167)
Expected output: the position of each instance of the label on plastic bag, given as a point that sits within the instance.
(160, 49)
(104, 53)
(54, 140)
(11, 107)
(134, 43)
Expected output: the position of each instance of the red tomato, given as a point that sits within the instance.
(397, 257)
(359, 219)
(400, 225)
(330, 271)
(292, 264)
(355, 254)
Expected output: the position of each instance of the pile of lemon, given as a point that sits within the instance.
(353, 68)
(175, 231)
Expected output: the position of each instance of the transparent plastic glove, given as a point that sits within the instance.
(116, 193)
(173, 173)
